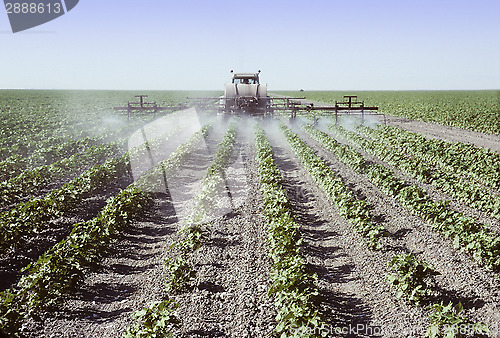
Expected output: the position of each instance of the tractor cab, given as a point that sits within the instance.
(246, 78)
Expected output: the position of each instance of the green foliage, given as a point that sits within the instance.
(345, 153)
(206, 202)
(34, 214)
(224, 153)
(411, 277)
(153, 179)
(12, 166)
(154, 321)
(481, 164)
(293, 285)
(181, 273)
(411, 281)
(194, 237)
(10, 316)
(60, 268)
(447, 321)
(42, 126)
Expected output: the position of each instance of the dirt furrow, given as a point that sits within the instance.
(229, 295)
(30, 248)
(230, 298)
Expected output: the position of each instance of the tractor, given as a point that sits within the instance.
(246, 95)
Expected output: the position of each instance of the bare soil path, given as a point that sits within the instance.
(230, 298)
(128, 280)
(28, 249)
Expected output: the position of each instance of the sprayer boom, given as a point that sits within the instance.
(246, 95)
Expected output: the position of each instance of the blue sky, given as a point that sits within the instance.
(314, 45)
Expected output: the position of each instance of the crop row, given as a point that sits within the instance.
(357, 212)
(414, 280)
(156, 175)
(192, 232)
(44, 147)
(28, 134)
(36, 120)
(62, 266)
(16, 164)
(33, 181)
(450, 183)
(30, 216)
(52, 150)
(467, 159)
(411, 277)
(293, 285)
(472, 237)
(157, 320)
(37, 112)
(30, 182)
(214, 182)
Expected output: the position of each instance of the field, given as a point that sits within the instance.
(192, 225)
